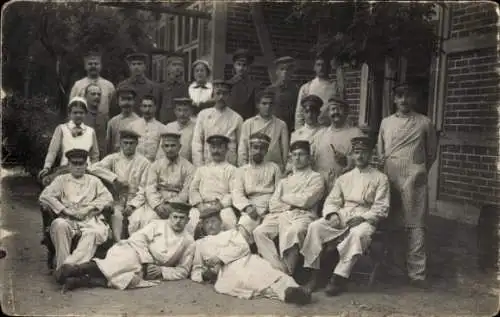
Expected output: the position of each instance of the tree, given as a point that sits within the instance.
(48, 40)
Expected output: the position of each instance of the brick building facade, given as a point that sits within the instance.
(461, 99)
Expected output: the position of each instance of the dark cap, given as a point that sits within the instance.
(220, 83)
(311, 101)
(300, 144)
(361, 143)
(127, 133)
(243, 54)
(93, 53)
(126, 89)
(175, 56)
(403, 88)
(259, 137)
(184, 101)
(217, 139)
(208, 210)
(338, 101)
(136, 57)
(170, 133)
(77, 154)
(179, 207)
(284, 60)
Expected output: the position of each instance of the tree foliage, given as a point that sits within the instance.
(47, 41)
(358, 32)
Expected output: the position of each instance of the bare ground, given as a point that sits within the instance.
(458, 288)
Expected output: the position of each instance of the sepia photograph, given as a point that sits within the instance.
(238, 158)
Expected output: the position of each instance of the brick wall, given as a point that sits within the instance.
(476, 18)
(469, 172)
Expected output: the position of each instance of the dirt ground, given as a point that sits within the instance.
(457, 286)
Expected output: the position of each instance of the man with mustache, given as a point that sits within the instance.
(212, 184)
(137, 63)
(243, 91)
(331, 146)
(407, 149)
(221, 120)
(95, 118)
(320, 86)
(93, 64)
(174, 87)
(256, 181)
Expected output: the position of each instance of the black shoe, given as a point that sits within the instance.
(65, 271)
(336, 286)
(314, 280)
(297, 295)
(421, 284)
(72, 283)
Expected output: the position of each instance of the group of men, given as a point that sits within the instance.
(238, 185)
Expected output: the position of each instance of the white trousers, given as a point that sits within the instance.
(94, 232)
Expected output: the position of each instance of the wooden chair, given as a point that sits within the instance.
(48, 216)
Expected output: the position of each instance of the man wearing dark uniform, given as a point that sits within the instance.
(174, 87)
(243, 90)
(138, 80)
(286, 91)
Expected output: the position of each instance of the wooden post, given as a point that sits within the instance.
(264, 39)
(219, 20)
(363, 95)
(389, 73)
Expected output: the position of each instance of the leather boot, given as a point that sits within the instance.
(72, 283)
(297, 295)
(66, 271)
(329, 259)
(336, 286)
(314, 280)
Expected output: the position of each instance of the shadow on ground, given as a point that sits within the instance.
(458, 288)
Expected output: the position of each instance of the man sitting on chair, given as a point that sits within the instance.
(291, 209)
(78, 200)
(126, 169)
(358, 201)
(160, 251)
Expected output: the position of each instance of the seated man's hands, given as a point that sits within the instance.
(43, 173)
(152, 272)
(355, 221)
(251, 211)
(128, 211)
(334, 221)
(209, 275)
(120, 185)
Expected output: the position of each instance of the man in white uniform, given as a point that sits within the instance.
(212, 184)
(292, 208)
(167, 181)
(255, 182)
(219, 119)
(128, 170)
(352, 210)
(160, 251)
(224, 259)
(149, 129)
(78, 200)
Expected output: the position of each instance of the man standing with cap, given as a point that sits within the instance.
(148, 128)
(286, 92)
(174, 87)
(219, 119)
(77, 199)
(311, 105)
(255, 182)
(320, 86)
(127, 170)
(224, 259)
(184, 125)
(243, 91)
(352, 210)
(212, 184)
(331, 147)
(265, 122)
(292, 208)
(167, 181)
(93, 63)
(126, 102)
(161, 251)
(142, 85)
(407, 149)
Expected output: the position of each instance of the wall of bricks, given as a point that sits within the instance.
(473, 18)
(469, 173)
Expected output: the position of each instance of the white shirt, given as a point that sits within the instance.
(199, 95)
